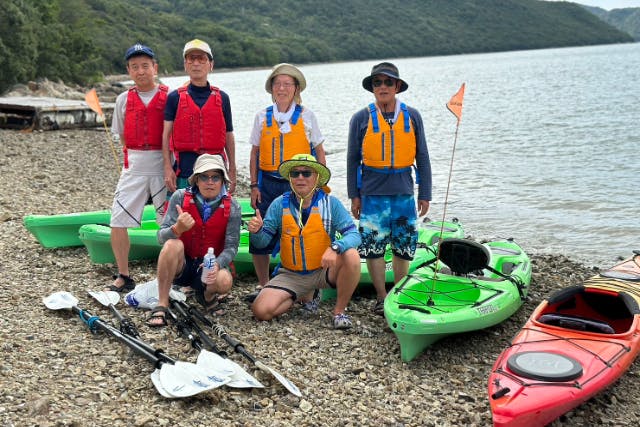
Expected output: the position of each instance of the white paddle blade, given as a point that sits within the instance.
(215, 363)
(185, 379)
(105, 297)
(155, 379)
(293, 389)
(239, 378)
(60, 300)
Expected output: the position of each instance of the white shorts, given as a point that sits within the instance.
(132, 194)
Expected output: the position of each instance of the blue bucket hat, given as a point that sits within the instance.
(137, 50)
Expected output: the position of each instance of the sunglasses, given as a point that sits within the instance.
(295, 174)
(212, 178)
(387, 82)
(201, 58)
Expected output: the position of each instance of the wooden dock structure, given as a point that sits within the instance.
(43, 113)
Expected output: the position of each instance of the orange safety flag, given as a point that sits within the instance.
(455, 103)
(92, 100)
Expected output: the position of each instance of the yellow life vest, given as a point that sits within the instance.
(276, 147)
(301, 249)
(393, 148)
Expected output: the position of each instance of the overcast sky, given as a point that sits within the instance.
(608, 4)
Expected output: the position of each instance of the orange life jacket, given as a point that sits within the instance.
(276, 147)
(392, 149)
(301, 249)
(143, 123)
(204, 235)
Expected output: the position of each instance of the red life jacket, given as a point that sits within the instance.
(210, 234)
(143, 124)
(199, 130)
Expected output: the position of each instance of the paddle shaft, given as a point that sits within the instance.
(237, 346)
(126, 325)
(156, 357)
(193, 325)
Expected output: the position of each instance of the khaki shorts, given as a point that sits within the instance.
(132, 194)
(300, 284)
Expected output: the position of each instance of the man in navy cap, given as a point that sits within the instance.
(138, 120)
(386, 143)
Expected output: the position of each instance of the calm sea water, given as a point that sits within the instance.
(547, 151)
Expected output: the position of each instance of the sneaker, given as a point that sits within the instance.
(342, 321)
(312, 306)
(378, 308)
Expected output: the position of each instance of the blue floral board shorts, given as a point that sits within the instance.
(388, 220)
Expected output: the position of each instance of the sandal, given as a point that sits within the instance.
(129, 284)
(222, 298)
(159, 312)
(378, 308)
(213, 307)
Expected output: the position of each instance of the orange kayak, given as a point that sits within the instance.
(576, 343)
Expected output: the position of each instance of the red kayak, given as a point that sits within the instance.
(576, 343)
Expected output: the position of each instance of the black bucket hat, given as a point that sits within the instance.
(388, 69)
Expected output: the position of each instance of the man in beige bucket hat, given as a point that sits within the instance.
(279, 131)
(201, 216)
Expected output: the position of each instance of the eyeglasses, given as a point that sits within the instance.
(387, 82)
(212, 178)
(285, 85)
(201, 58)
(295, 174)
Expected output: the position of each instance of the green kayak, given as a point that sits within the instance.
(472, 286)
(59, 231)
(144, 245)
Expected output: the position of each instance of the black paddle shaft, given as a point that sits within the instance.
(127, 327)
(156, 357)
(192, 324)
(237, 346)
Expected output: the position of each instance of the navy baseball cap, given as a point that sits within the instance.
(139, 49)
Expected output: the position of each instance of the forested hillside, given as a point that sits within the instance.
(627, 20)
(82, 40)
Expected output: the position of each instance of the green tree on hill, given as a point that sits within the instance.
(82, 40)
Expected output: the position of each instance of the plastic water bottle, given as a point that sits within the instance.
(207, 263)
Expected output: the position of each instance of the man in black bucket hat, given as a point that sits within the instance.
(384, 69)
(386, 142)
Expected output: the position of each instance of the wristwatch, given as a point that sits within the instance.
(335, 247)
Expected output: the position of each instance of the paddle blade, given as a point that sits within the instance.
(185, 379)
(92, 101)
(105, 297)
(60, 300)
(293, 389)
(155, 379)
(239, 378)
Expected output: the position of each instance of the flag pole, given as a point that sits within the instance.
(94, 103)
(455, 106)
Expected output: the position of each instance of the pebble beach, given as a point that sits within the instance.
(55, 372)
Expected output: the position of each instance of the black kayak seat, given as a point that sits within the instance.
(576, 323)
(464, 256)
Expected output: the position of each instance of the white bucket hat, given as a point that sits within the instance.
(207, 162)
(288, 70)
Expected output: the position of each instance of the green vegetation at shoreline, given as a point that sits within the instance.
(80, 41)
